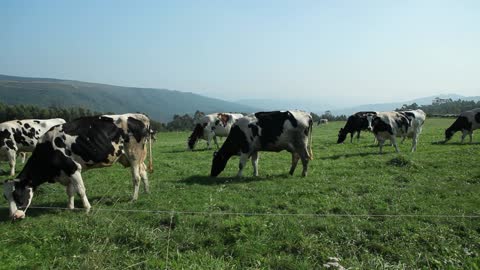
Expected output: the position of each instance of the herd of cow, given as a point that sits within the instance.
(62, 150)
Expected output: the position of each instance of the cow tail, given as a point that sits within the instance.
(150, 160)
(310, 140)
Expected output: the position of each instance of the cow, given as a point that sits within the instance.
(82, 144)
(210, 126)
(322, 121)
(355, 124)
(389, 125)
(467, 122)
(22, 136)
(267, 131)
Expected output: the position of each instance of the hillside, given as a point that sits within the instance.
(393, 105)
(160, 104)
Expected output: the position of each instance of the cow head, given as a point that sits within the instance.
(449, 134)
(370, 117)
(342, 135)
(196, 134)
(219, 162)
(18, 196)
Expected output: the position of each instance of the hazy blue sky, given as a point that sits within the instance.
(366, 51)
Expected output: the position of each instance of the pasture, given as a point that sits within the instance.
(390, 211)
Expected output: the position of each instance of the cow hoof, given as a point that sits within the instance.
(19, 214)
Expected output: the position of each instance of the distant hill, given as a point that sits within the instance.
(394, 105)
(160, 104)
(319, 106)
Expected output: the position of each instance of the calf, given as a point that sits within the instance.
(22, 136)
(389, 125)
(85, 143)
(267, 131)
(466, 122)
(355, 124)
(210, 126)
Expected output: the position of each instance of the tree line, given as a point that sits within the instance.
(451, 108)
(178, 123)
(23, 111)
(13, 112)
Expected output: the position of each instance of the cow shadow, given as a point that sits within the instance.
(186, 151)
(454, 143)
(334, 157)
(208, 180)
(60, 206)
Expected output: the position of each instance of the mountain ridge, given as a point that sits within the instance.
(160, 104)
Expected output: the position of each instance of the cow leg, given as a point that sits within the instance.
(77, 182)
(24, 157)
(464, 134)
(135, 179)
(305, 159)
(144, 176)
(351, 137)
(12, 160)
(215, 141)
(380, 144)
(70, 188)
(295, 159)
(358, 135)
(471, 136)
(254, 158)
(210, 136)
(414, 143)
(241, 165)
(393, 140)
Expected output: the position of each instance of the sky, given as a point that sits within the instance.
(349, 52)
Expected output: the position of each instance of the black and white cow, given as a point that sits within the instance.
(467, 122)
(22, 136)
(355, 124)
(210, 126)
(85, 143)
(267, 131)
(322, 121)
(389, 125)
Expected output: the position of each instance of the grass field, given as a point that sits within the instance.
(351, 189)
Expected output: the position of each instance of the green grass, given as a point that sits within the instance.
(346, 179)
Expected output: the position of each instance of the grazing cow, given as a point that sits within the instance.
(355, 124)
(322, 121)
(466, 122)
(267, 131)
(210, 126)
(85, 143)
(389, 125)
(22, 136)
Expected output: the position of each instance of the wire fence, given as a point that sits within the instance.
(220, 213)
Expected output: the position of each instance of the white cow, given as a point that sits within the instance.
(210, 126)
(389, 125)
(22, 136)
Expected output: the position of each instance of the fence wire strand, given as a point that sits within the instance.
(207, 213)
